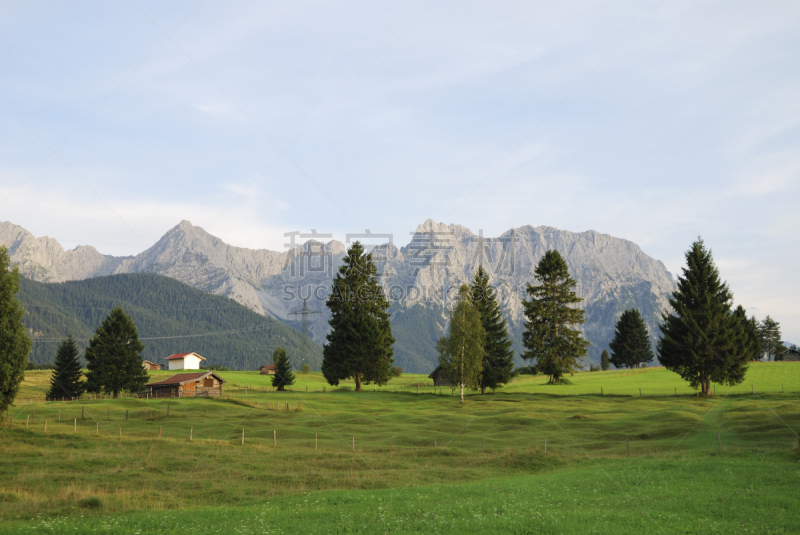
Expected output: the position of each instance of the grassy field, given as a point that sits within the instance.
(614, 463)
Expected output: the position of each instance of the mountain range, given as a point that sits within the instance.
(420, 277)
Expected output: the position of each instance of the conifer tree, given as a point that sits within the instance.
(113, 357)
(283, 370)
(498, 359)
(605, 363)
(14, 342)
(549, 338)
(359, 345)
(630, 347)
(701, 336)
(66, 381)
(751, 337)
(462, 351)
(770, 332)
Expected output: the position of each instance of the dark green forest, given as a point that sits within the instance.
(416, 331)
(171, 317)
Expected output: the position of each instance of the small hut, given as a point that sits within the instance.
(790, 355)
(187, 385)
(267, 369)
(439, 377)
(150, 366)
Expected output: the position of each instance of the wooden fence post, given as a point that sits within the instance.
(59, 415)
(752, 390)
(27, 419)
(354, 444)
(601, 390)
(191, 431)
(274, 438)
(316, 441)
(126, 415)
(640, 392)
(545, 446)
(484, 443)
(75, 426)
(160, 427)
(168, 410)
(242, 436)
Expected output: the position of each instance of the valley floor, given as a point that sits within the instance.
(341, 461)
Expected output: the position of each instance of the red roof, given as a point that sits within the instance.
(185, 378)
(181, 355)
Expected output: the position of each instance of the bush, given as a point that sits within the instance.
(305, 369)
(594, 368)
(93, 502)
(397, 371)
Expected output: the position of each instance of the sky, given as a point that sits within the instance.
(653, 121)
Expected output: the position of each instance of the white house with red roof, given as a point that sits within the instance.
(184, 361)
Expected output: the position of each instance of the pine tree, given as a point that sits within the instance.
(550, 341)
(14, 342)
(498, 360)
(360, 342)
(751, 337)
(66, 381)
(113, 357)
(605, 364)
(283, 370)
(462, 351)
(630, 347)
(701, 335)
(770, 332)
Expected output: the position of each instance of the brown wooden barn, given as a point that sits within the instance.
(147, 365)
(790, 355)
(267, 369)
(187, 385)
(439, 378)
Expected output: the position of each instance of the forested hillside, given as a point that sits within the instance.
(171, 317)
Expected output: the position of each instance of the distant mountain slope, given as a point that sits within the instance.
(171, 317)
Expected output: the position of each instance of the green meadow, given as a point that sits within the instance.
(408, 457)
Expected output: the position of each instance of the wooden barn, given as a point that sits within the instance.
(439, 378)
(790, 355)
(267, 369)
(150, 366)
(187, 385)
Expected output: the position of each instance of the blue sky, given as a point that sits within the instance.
(651, 121)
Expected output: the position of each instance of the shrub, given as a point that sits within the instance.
(92, 502)
(305, 369)
(397, 371)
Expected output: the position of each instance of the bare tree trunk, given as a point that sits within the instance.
(462, 391)
(358, 382)
(483, 390)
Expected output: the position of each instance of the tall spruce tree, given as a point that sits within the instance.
(498, 359)
(549, 338)
(283, 370)
(630, 347)
(462, 351)
(14, 342)
(67, 378)
(359, 345)
(751, 338)
(701, 336)
(113, 357)
(605, 362)
(770, 332)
